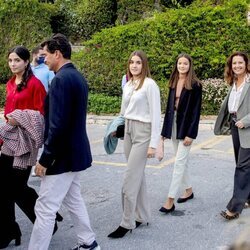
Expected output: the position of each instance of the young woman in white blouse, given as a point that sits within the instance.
(237, 105)
(142, 111)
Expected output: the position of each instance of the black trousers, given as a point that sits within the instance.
(14, 189)
(241, 191)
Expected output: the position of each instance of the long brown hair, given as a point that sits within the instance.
(191, 76)
(145, 72)
(228, 73)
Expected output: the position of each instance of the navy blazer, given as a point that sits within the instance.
(66, 145)
(188, 113)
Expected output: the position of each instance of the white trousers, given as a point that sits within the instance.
(180, 177)
(56, 190)
(134, 192)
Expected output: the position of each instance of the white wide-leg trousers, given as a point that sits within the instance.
(180, 177)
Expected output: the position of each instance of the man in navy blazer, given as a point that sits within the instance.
(66, 149)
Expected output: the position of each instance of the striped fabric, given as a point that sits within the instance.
(23, 141)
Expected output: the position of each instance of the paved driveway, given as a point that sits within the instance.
(195, 225)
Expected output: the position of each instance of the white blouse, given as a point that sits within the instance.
(234, 97)
(143, 105)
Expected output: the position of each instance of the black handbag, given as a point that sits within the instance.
(120, 131)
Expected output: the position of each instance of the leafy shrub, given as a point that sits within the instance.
(22, 23)
(80, 19)
(134, 10)
(103, 104)
(214, 92)
(208, 34)
(209, 2)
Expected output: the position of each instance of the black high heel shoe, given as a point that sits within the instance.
(119, 232)
(138, 223)
(166, 211)
(14, 235)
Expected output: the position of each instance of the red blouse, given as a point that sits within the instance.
(31, 97)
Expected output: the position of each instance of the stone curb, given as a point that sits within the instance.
(103, 119)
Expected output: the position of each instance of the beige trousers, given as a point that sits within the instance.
(134, 194)
(180, 176)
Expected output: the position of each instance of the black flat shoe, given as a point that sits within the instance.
(119, 232)
(166, 211)
(181, 200)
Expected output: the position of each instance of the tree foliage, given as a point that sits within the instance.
(22, 23)
(206, 33)
(80, 19)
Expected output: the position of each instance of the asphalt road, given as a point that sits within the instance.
(194, 225)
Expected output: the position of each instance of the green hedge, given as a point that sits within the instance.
(22, 23)
(102, 104)
(80, 19)
(209, 34)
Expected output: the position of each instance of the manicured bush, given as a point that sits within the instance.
(22, 23)
(134, 10)
(209, 34)
(102, 104)
(80, 19)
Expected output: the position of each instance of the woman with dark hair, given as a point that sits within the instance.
(23, 91)
(142, 112)
(235, 109)
(181, 125)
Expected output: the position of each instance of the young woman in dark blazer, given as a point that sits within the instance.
(181, 125)
(236, 107)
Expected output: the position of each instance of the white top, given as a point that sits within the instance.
(143, 105)
(234, 97)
